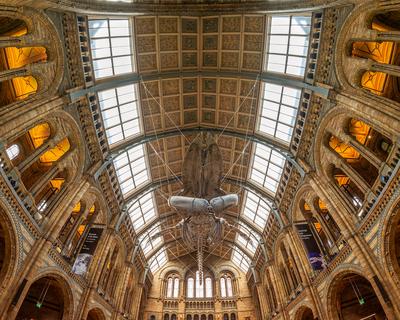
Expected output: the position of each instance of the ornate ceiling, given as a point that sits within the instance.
(191, 74)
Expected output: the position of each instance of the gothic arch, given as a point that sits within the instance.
(303, 309)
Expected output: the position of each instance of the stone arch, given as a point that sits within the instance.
(390, 231)
(41, 31)
(334, 282)
(9, 247)
(96, 314)
(304, 311)
(64, 286)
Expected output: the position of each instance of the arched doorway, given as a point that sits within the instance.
(45, 299)
(95, 314)
(355, 298)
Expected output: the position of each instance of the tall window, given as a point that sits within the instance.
(190, 288)
(111, 48)
(173, 286)
(195, 288)
(226, 286)
(287, 44)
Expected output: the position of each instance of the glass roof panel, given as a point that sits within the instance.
(279, 110)
(267, 167)
(240, 259)
(256, 210)
(147, 243)
(131, 169)
(119, 109)
(251, 246)
(110, 46)
(287, 44)
(142, 211)
(158, 260)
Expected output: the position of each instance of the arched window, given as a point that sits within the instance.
(173, 286)
(190, 288)
(226, 286)
(199, 288)
(13, 151)
(209, 292)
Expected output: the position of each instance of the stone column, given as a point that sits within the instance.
(43, 180)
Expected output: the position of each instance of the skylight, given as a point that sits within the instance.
(131, 169)
(267, 167)
(256, 210)
(111, 48)
(279, 110)
(240, 259)
(158, 260)
(251, 246)
(119, 109)
(146, 241)
(287, 44)
(142, 211)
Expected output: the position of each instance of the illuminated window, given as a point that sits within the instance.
(226, 286)
(199, 286)
(209, 290)
(175, 292)
(131, 169)
(111, 48)
(12, 151)
(267, 167)
(190, 288)
(42, 205)
(256, 210)
(148, 243)
(251, 243)
(158, 260)
(240, 259)
(119, 110)
(287, 44)
(142, 211)
(279, 111)
(173, 287)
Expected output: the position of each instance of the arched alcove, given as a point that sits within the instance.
(46, 298)
(353, 298)
(95, 314)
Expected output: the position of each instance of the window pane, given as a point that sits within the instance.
(110, 45)
(169, 287)
(176, 288)
(222, 287)
(209, 290)
(287, 49)
(190, 288)
(229, 287)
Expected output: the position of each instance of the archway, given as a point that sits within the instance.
(354, 298)
(304, 313)
(45, 300)
(95, 314)
(8, 249)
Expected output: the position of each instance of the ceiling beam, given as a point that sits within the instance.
(130, 78)
(275, 145)
(171, 243)
(152, 186)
